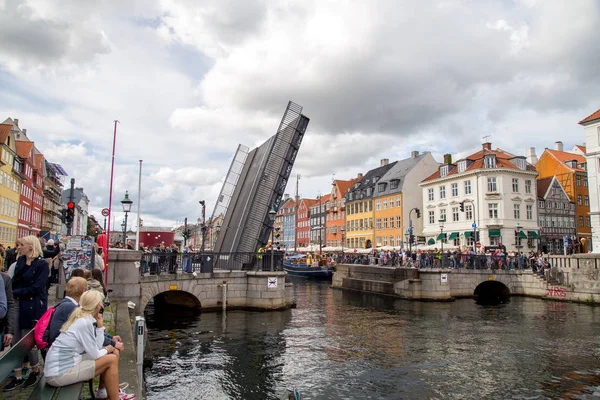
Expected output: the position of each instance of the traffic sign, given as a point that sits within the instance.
(478, 245)
(105, 212)
(474, 226)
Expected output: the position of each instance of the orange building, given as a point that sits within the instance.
(570, 170)
(335, 210)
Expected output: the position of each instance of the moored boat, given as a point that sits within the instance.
(301, 265)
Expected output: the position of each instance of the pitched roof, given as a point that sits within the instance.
(583, 149)
(594, 116)
(39, 160)
(344, 186)
(4, 132)
(563, 157)
(24, 148)
(398, 172)
(542, 186)
(476, 161)
(369, 181)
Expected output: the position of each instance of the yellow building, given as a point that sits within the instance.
(9, 188)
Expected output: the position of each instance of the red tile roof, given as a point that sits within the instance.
(592, 117)
(344, 186)
(39, 159)
(563, 157)
(4, 132)
(542, 186)
(581, 148)
(502, 161)
(24, 149)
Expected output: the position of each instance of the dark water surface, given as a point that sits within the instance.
(345, 345)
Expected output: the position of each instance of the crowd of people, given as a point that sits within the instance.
(79, 347)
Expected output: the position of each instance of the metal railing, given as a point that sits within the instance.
(453, 261)
(157, 263)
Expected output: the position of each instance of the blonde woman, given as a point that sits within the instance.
(77, 354)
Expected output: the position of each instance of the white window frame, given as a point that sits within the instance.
(468, 187)
(492, 184)
(454, 189)
(493, 210)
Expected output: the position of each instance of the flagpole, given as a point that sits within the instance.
(112, 175)
(137, 235)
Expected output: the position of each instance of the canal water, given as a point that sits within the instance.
(347, 345)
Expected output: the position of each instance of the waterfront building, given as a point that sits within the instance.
(360, 215)
(335, 211)
(556, 217)
(303, 222)
(571, 171)
(288, 212)
(81, 201)
(318, 222)
(30, 206)
(498, 193)
(150, 236)
(398, 193)
(52, 190)
(591, 128)
(10, 186)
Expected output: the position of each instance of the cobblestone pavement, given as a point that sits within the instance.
(23, 394)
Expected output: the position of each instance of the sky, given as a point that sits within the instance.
(189, 80)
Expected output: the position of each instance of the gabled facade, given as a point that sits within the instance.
(37, 183)
(27, 225)
(303, 223)
(52, 189)
(591, 129)
(360, 215)
(571, 171)
(10, 186)
(396, 194)
(288, 214)
(556, 217)
(335, 211)
(498, 192)
(318, 221)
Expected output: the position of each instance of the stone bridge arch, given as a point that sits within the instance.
(176, 292)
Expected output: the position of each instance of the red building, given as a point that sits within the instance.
(336, 213)
(31, 199)
(151, 236)
(303, 223)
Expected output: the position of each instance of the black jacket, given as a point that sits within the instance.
(29, 286)
(7, 324)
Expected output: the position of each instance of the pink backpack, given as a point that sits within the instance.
(41, 330)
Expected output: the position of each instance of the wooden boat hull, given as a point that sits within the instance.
(307, 271)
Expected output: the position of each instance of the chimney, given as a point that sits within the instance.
(360, 175)
(286, 197)
(384, 161)
(487, 146)
(414, 154)
(447, 159)
(558, 146)
(531, 156)
(24, 131)
(16, 122)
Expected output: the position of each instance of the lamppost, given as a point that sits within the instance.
(124, 231)
(272, 214)
(343, 230)
(203, 227)
(410, 227)
(518, 237)
(126, 209)
(441, 221)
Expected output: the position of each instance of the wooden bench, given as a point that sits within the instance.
(13, 358)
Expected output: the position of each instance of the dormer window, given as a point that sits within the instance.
(381, 187)
(462, 166)
(375, 179)
(443, 170)
(490, 161)
(394, 183)
(519, 163)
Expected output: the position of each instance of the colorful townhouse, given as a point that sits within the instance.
(571, 171)
(498, 193)
(399, 200)
(27, 222)
(303, 222)
(556, 218)
(360, 215)
(335, 213)
(10, 187)
(288, 214)
(318, 221)
(591, 129)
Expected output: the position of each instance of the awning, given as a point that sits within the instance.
(494, 232)
(431, 241)
(533, 234)
(468, 234)
(441, 236)
(522, 235)
(453, 236)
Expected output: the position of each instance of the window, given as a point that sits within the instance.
(399, 201)
(430, 194)
(467, 187)
(469, 212)
(432, 217)
(494, 240)
(385, 223)
(588, 221)
(586, 201)
(442, 192)
(385, 242)
(580, 221)
(454, 188)
(370, 205)
(455, 214)
(493, 210)
(528, 186)
(443, 214)
(391, 241)
(491, 183)
(443, 170)
(398, 220)
(378, 223)
(490, 161)
(394, 184)
(541, 204)
(462, 166)
(578, 180)
(370, 223)
(381, 187)
(515, 185)
(385, 204)
(391, 222)
(579, 202)
(391, 202)
(529, 209)
(585, 181)
(378, 205)
(517, 211)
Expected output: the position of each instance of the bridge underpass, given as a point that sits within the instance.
(492, 292)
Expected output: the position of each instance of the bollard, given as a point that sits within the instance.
(224, 286)
(140, 327)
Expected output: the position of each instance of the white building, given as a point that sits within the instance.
(498, 191)
(591, 129)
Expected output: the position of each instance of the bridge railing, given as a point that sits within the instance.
(157, 263)
(472, 261)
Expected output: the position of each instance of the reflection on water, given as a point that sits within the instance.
(346, 345)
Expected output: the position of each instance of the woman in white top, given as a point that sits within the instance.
(77, 354)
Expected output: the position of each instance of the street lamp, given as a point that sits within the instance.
(441, 221)
(272, 214)
(126, 202)
(203, 228)
(343, 230)
(518, 237)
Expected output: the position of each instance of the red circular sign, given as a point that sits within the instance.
(105, 212)
(478, 245)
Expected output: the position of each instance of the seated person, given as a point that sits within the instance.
(78, 354)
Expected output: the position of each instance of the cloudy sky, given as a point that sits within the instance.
(190, 79)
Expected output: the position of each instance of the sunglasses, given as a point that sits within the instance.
(101, 311)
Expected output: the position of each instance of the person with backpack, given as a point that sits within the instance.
(31, 297)
(78, 354)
